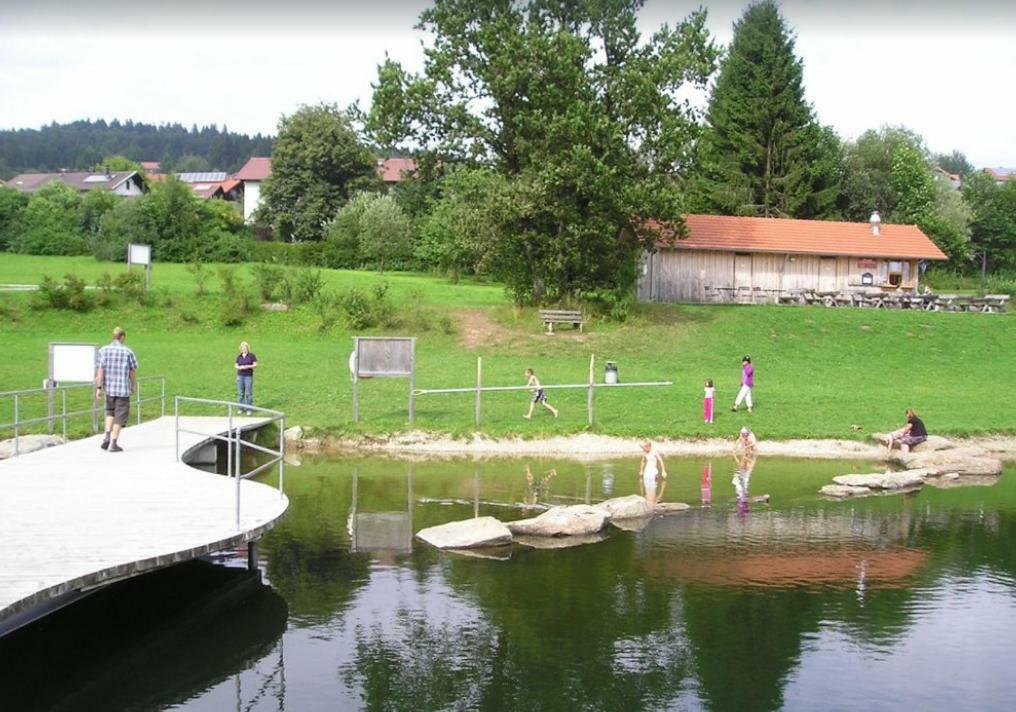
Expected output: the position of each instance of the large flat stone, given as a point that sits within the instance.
(467, 534)
(843, 491)
(963, 462)
(559, 542)
(574, 520)
(670, 507)
(947, 482)
(884, 480)
(631, 507)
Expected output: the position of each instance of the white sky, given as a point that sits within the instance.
(945, 71)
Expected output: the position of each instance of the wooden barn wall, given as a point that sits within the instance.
(683, 275)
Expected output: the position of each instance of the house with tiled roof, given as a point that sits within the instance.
(767, 257)
(253, 173)
(127, 184)
(395, 170)
(1001, 175)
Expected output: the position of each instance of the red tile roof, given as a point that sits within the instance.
(802, 237)
(150, 165)
(395, 170)
(1001, 174)
(229, 184)
(255, 169)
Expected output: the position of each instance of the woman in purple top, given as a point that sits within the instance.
(246, 362)
(747, 383)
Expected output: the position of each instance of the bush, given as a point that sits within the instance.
(271, 281)
(240, 301)
(49, 223)
(104, 291)
(304, 285)
(326, 306)
(201, 276)
(69, 295)
(132, 286)
(363, 310)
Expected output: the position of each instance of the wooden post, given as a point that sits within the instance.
(479, 385)
(589, 396)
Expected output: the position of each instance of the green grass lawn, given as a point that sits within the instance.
(818, 371)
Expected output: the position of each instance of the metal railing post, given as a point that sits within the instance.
(137, 390)
(162, 414)
(64, 413)
(238, 478)
(176, 418)
(229, 441)
(282, 453)
(17, 450)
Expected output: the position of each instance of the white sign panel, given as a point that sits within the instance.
(139, 254)
(72, 363)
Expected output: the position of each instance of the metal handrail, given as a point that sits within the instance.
(235, 442)
(64, 415)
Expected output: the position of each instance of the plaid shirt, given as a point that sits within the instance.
(116, 361)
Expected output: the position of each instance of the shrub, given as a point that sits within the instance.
(240, 301)
(326, 306)
(304, 285)
(104, 290)
(49, 223)
(201, 276)
(69, 295)
(270, 281)
(363, 310)
(132, 286)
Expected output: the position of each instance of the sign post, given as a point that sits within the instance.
(141, 255)
(70, 363)
(383, 357)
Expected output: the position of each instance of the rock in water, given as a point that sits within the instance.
(631, 507)
(575, 520)
(559, 542)
(670, 507)
(294, 433)
(467, 534)
(843, 491)
(884, 480)
(964, 463)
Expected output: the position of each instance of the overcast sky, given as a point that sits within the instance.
(943, 69)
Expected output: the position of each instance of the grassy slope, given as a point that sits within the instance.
(818, 371)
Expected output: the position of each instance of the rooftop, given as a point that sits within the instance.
(257, 168)
(83, 181)
(817, 237)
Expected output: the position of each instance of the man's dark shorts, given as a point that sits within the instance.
(119, 407)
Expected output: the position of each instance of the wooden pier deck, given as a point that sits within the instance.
(74, 517)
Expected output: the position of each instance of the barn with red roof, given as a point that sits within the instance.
(728, 258)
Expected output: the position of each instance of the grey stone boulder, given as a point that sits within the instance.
(294, 433)
(843, 491)
(631, 507)
(934, 443)
(559, 542)
(28, 443)
(951, 480)
(574, 520)
(884, 480)
(964, 462)
(670, 507)
(467, 534)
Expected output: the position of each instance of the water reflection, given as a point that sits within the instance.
(726, 606)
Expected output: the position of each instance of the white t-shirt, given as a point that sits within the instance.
(710, 390)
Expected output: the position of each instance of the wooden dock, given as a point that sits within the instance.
(75, 517)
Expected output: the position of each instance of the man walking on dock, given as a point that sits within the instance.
(116, 379)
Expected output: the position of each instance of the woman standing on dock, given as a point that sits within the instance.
(246, 362)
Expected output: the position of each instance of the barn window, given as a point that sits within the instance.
(895, 274)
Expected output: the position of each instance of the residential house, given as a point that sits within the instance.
(253, 173)
(955, 179)
(128, 184)
(150, 166)
(766, 257)
(1001, 175)
(395, 170)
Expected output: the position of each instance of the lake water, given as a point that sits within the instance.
(885, 603)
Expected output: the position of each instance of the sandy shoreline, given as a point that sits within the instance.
(587, 446)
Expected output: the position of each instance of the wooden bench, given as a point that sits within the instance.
(561, 316)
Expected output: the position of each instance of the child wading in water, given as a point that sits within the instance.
(539, 396)
(707, 401)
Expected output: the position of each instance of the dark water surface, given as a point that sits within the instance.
(885, 603)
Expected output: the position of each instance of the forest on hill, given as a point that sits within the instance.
(81, 145)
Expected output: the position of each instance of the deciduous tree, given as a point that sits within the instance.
(319, 161)
(579, 114)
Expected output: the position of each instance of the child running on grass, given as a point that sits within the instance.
(539, 396)
(707, 401)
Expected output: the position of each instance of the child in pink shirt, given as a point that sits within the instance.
(707, 401)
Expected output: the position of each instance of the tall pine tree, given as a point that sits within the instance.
(763, 152)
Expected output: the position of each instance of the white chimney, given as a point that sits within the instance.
(875, 221)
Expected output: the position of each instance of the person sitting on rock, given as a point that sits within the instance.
(912, 434)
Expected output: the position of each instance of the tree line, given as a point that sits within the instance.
(550, 139)
(81, 145)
